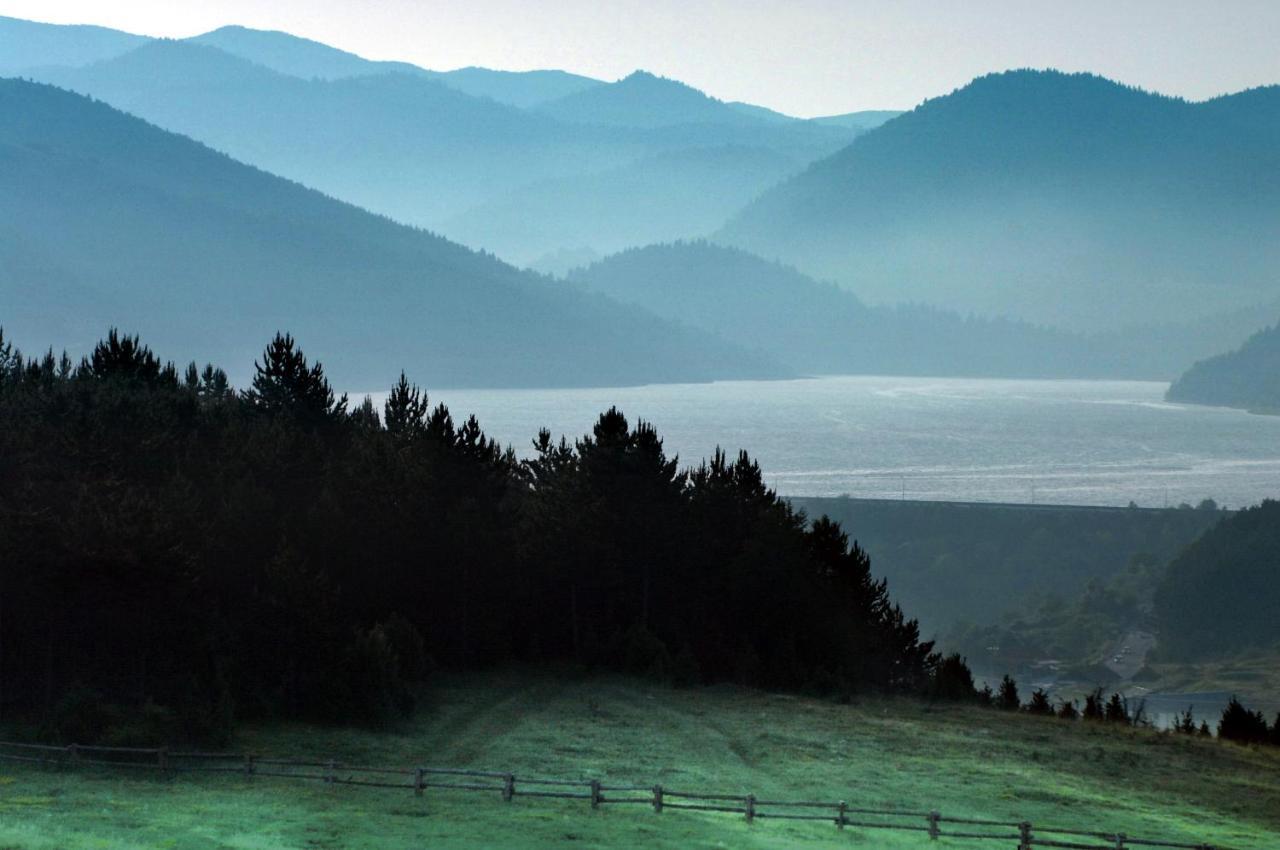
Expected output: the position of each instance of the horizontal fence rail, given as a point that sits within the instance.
(418, 779)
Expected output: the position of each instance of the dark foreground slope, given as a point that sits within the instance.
(1248, 377)
(1053, 197)
(106, 220)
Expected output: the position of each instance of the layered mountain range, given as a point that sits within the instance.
(1030, 223)
(106, 220)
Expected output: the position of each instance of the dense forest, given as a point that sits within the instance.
(179, 553)
(1248, 377)
(1221, 595)
(999, 564)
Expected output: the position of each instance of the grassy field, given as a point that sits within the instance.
(877, 752)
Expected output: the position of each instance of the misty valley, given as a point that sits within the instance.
(398, 453)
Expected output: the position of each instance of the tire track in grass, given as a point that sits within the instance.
(473, 729)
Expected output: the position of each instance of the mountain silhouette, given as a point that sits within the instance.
(409, 146)
(110, 221)
(301, 57)
(29, 44)
(1062, 198)
(642, 99)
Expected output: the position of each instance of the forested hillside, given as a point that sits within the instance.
(816, 327)
(1248, 377)
(105, 219)
(1053, 197)
(1220, 596)
(985, 564)
(190, 554)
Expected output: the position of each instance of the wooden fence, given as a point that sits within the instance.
(508, 786)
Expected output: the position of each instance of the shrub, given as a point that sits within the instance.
(684, 669)
(410, 649)
(644, 654)
(81, 716)
(375, 692)
(1068, 710)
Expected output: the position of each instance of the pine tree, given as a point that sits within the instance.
(1241, 725)
(1040, 704)
(123, 358)
(1117, 711)
(1093, 706)
(405, 410)
(1007, 699)
(952, 680)
(1068, 710)
(284, 385)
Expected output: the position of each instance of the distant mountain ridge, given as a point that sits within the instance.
(642, 99)
(816, 327)
(1062, 198)
(106, 220)
(410, 146)
(28, 44)
(819, 328)
(307, 59)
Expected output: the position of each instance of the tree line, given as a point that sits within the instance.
(953, 681)
(178, 554)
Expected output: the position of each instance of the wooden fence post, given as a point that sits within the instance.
(1120, 837)
(657, 799)
(248, 765)
(840, 814)
(73, 753)
(933, 825)
(162, 759)
(508, 787)
(751, 808)
(331, 773)
(595, 793)
(1024, 836)
(418, 779)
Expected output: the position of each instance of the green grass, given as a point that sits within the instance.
(877, 752)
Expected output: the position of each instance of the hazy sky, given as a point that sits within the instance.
(806, 57)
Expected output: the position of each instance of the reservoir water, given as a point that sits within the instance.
(1060, 442)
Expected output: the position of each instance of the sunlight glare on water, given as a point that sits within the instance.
(1062, 442)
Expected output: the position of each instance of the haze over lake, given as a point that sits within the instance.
(1057, 442)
